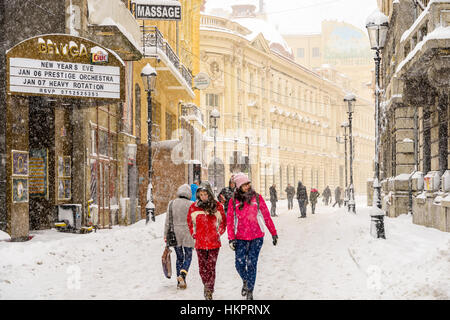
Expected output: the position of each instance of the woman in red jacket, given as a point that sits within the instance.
(207, 222)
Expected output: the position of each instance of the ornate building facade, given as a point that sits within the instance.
(415, 136)
(276, 115)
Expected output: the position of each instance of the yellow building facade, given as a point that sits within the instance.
(276, 114)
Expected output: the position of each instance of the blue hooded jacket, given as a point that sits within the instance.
(194, 188)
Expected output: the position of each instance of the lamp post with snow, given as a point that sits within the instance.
(345, 126)
(215, 114)
(350, 99)
(377, 27)
(148, 75)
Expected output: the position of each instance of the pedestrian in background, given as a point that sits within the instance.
(273, 200)
(194, 188)
(302, 197)
(313, 195)
(290, 192)
(245, 231)
(227, 193)
(326, 195)
(178, 210)
(207, 222)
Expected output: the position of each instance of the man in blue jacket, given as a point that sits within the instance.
(194, 188)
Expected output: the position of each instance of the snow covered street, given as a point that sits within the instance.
(329, 255)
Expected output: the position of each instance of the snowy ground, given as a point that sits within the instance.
(329, 255)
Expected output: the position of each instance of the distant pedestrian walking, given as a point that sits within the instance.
(326, 195)
(337, 196)
(313, 195)
(177, 211)
(290, 192)
(207, 222)
(194, 188)
(246, 232)
(273, 200)
(302, 197)
(226, 194)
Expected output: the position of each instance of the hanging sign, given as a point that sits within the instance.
(65, 66)
(202, 81)
(156, 9)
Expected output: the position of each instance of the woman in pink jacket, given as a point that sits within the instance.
(246, 230)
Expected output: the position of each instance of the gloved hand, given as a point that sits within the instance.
(232, 244)
(275, 240)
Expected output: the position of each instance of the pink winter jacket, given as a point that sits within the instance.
(249, 223)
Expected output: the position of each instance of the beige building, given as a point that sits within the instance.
(340, 47)
(281, 115)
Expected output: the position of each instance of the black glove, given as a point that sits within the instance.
(232, 244)
(275, 240)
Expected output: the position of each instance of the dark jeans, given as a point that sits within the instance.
(184, 258)
(273, 208)
(207, 266)
(247, 253)
(290, 203)
(302, 206)
(313, 207)
(338, 201)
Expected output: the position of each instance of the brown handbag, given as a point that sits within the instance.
(167, 262)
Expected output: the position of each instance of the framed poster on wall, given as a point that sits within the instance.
(19, 163)
(19, 190)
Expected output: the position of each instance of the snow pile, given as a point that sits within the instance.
(4, 236)
(328, 255)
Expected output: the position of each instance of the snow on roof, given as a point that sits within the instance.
(269, 32)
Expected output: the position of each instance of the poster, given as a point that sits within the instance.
(19, 190)
(19, 163)
(38, 168)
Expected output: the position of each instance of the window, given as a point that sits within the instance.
(212, 100)
(316, 52)
(300, 52)
(251, 83)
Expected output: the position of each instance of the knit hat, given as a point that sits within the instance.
(240, 179)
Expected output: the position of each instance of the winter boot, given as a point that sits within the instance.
(182, 279)
(249, 295)
(244, 289)
(208, 294)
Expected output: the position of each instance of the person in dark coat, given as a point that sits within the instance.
(302, 197)
(313, 195)
(226, 194)
(273, 200)
(327, 195)
(290, 192)
(185, 244)
(337, 196)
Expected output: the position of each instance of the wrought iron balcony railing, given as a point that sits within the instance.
(153, 38)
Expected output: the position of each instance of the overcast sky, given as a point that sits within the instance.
(305, 16)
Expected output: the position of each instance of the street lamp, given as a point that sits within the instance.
(215, 114)
(148, 76)
(345, 126)
(350, 99)
(377, 27)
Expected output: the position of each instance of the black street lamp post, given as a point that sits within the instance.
(345, 126)
(215, 114)
(350, 99)
(377, 27)
(148, 75)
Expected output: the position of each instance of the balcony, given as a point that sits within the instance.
(112, 25)
(190, 112)
(426, 41)
(154, 45)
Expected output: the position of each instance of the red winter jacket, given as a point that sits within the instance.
(206, 228)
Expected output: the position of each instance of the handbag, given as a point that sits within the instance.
(167, 262)
(171, 238)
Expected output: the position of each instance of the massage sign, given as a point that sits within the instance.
(64, 66)
(156, 9)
